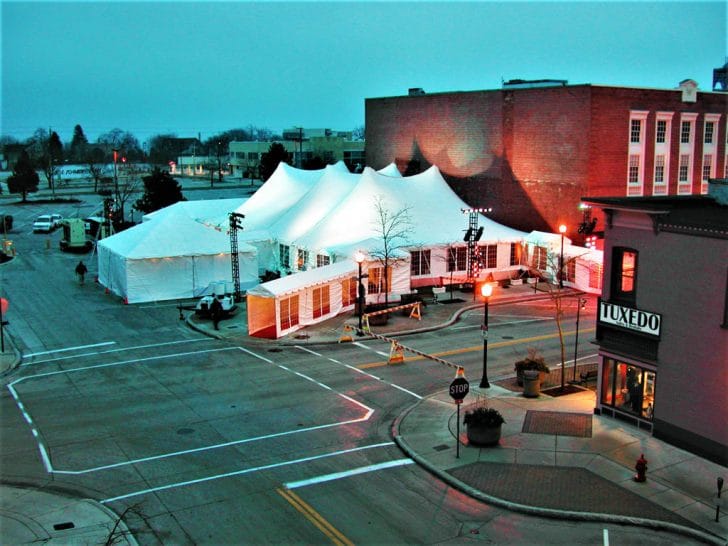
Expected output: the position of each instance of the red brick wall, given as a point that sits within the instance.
(531, 154)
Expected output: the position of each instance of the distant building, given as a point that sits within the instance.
(662, 324)
(303, 145)
(531, 149)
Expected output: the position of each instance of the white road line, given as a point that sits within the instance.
(123, 362)
(605, 537)
(360, 344)
(216, 446)
(71, 349)
(29, 420)
(347, 473)
(358, 370)
(241, 472)
(97, 353)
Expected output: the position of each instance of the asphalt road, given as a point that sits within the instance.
(201, 442)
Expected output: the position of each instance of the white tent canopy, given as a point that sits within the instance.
(170, 257)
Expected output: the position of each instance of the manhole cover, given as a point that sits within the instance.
(441, 447)
(185, 431)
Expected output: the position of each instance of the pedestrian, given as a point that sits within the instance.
(81, 271)
(215, 311)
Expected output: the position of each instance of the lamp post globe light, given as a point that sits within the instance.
(359, 259)
(485, 290)
(562, 230)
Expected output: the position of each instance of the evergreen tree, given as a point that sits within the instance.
(160, 190)
(269, 160)
(79, 143)
(24, 179)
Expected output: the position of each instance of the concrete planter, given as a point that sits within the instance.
(479, 435)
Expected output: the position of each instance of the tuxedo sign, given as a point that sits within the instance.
(636, 320)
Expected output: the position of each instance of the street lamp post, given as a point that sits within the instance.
(486, 290)
(359, 259)
(580, 304)
(562, 230)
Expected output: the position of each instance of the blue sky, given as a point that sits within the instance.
(203, 67)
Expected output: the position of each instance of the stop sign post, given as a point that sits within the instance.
(459, 389)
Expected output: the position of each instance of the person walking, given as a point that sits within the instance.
(215, 311)
(81, 271)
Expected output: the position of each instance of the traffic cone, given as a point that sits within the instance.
(396, 354)
(346, 336)
(416, 312)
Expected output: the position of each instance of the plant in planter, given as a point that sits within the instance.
(534, 361)
(483, 425)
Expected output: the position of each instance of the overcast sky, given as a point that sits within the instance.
(203, 67)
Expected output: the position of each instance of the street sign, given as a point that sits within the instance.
(459, 388)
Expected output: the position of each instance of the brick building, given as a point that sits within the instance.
(531, 149)
(662, 325)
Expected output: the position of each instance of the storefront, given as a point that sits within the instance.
(627, 384)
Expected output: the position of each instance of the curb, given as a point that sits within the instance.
(536, 510)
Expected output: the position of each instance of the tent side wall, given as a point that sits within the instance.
(262, 321)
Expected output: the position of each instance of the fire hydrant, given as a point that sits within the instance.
(641, 468)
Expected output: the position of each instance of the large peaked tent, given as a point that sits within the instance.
(170, 257)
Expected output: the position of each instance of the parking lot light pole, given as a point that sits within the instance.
(359, 259)
(486, 290)
(562, 230)
(580, 304)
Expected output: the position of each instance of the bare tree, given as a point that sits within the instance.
(393, 230)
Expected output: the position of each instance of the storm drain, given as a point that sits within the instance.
(63, 526)
(558, 422)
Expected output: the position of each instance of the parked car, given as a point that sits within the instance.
(47, 223)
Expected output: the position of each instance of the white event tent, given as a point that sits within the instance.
(171, 256)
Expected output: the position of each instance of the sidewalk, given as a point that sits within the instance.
(583, 477)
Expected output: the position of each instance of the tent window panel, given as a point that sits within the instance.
(515, 254)
(376, 283)
(348, 291)
(321, 302)
(539, 258)
(322, 260)
(491, 256)
(302, 259)
(289, 312)
(420, 264)
(571, 270)
(457, 258)
(284, 253)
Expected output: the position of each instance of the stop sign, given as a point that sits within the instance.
(459, 388)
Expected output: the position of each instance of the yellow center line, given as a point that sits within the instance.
(474, 348)
(314, 517)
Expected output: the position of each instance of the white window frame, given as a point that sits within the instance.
(710, 152)
(662, 149)
(636, 153)
(685, 187)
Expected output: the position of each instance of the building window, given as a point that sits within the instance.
(707, 167)
(661, 131)
(322, 260)
(634, 169)
(457, 258)
(659, 169)
(289, 312)
(321, 303)
(635, 134)
(491, 256)
(420, 263)
(284, 254)
(253, 156)
(348, 291)
(539, 258)
(624, 275)
(684, 169)
(708, 134)
(685, 132)
(628, 388)
(301, 259)
(515, 258)
(375, 281)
